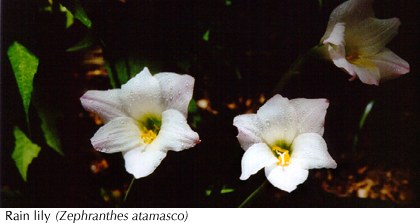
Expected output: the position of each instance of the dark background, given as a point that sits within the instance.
(252, 43)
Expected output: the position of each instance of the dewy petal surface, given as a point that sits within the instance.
(279, 120)
(141, 95)
(310, 151)
(286, 178)
(118, 135)
(142, 163)
(177, 91)
(390, 65)
(255, 158)
(175, 134)
(249, 129)
(106, 104)
(311, 114)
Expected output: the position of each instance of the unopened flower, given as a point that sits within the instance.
(356, 43)
(285, 138)
(144, 119)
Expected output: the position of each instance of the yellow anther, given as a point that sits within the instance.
(148, 136)
(282, 155)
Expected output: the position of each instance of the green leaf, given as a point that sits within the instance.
(228, 2)
(25, 151)
(368, 108)
(24, 66)
(69, 16)
(226, 190)
(206, 36)
(192, 106)
(78, 12)
(49, 128)
(121, 68)
(110, 75)
(86, 42)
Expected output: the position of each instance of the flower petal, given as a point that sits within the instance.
(106, 104)
(310, 151)
(249, 129)
(350, 12)
(175, 134)
(255, 158)
(141, 95)
(279, 120)
(390, 65)
(286, 178)
(311, 114)
(118, 135)
(176, 90)
(367, 72)
(142, 163)
(336, 48)
(371, 35)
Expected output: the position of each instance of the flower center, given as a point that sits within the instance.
(149, 126)
(282, 155)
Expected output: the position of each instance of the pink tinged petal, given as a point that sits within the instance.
(367, 72)
(336, 48)
(141, 95)
(255, 158)
(286, 178)
(371, 35)
(249, 129)
(175, 134)
(350, 12)
(390, 65)
(311, 114)
(310, 151)
(118, 135)
(279, 120)
(106, 104)
(142, 163)
(177, 90)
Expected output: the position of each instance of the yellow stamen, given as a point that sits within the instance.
(148, 136)
(282, 155)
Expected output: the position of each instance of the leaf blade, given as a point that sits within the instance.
(24, 152)
(24, 65)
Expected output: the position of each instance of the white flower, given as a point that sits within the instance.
(285, 137)
(144, 119)
(356, 42)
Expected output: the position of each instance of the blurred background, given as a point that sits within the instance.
(237, 50)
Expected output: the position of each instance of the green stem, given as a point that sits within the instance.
(128, 190)
(253, 194)
(295, 67)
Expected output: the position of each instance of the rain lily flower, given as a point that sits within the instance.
(356, 43)
(144, 119)
(285, 138)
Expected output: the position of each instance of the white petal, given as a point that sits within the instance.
(118, 135)
(142, 163)
(141, 95)
(350, 12)
(279, 120)
(249, 129)
(310, 151)
(371, 35)
(336, 48)
(176, 90)
(255, 158)
(311, 114)
(286, 178)
(175, 134)
(390, 65)
(367, 72)
(106, 104)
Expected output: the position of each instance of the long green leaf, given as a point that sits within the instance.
(78, 11)
(25, 151)
(49, 128)
(24, 66)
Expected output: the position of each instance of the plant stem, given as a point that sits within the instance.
(128, 190)
(295, 67)
(253, 194)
